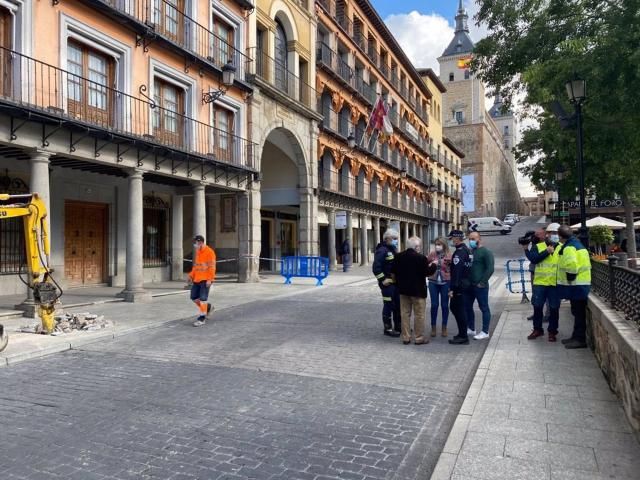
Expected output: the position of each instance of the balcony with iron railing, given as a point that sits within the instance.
(163, 20)
(332, 62)
(278, 76)
(35, 87)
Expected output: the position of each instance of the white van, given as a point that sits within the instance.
(488, 225)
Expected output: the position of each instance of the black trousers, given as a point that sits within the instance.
(456, 306)
(579, 312)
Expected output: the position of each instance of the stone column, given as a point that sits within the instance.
(333, 260)
(38, 183)
(177, 237)
(134, 283)
(349, 233)
(364, 241)
(249, 235)
(376, 230)
(308, 228)
(199, 211)
(406, 234)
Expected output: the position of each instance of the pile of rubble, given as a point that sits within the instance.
(68, 322)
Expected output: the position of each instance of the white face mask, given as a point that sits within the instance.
(196, 245)
(439, 248)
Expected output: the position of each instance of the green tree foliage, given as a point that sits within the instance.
(534, 47)
(600, 236)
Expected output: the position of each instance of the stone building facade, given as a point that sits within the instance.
(371, 185)
(487, 138)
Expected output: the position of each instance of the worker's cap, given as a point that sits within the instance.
(456, 234)
(198, 238)
(553, 227)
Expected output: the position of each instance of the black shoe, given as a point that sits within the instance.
(530, 317)
(564, 341)
(391, 333)
(573, 344)
(406, 342)
(459, 341)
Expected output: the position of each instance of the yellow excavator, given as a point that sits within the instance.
(46, 291)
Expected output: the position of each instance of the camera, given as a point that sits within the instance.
(527, 238)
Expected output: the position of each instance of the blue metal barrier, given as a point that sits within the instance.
(516, 276)
(305, 267)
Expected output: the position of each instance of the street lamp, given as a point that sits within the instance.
(228, 77)
(577, 92)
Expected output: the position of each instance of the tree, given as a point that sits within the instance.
(533, 48)
(600, 235)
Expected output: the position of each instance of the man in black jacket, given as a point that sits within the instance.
(460, 282)
(382, 263)
(410, 271)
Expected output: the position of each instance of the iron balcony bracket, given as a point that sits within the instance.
(15, 127)
(72, 143)
(46, 136)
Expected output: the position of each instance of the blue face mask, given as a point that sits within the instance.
(473, 243)
(554, 238)
(394, 242)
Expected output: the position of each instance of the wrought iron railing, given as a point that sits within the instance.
(165, 19)
(619, 286)
(278, 75)
(37, 86)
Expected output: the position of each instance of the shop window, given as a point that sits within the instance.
(155, 239)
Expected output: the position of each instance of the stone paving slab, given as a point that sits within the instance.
(127, 318)
(536, 410)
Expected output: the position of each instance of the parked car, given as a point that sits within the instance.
(488, 225)
(509, 220)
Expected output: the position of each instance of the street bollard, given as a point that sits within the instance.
(613, 261)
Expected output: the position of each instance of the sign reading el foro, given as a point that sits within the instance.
(604, 203)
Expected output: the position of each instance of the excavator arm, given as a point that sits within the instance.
(33, 211)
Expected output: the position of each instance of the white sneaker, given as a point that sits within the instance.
(470, 332)
(481, 336)
(198, 323)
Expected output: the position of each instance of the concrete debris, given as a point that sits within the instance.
(68, 322)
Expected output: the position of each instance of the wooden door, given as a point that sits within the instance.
(5, 54)
(85, 243)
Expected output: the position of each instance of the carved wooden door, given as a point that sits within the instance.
(85, 243)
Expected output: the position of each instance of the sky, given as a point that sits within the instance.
(424, 28)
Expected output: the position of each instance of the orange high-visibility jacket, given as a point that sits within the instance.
(204, 265)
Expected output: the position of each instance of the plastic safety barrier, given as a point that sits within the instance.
(305, 267)
(516, 279)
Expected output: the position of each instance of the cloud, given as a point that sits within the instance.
(423, 37)
(476, 33)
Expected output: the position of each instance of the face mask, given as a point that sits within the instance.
(439, 248)
(554, 238)
(473, 243)
(394, 242)
(451, 244)
(195, 245)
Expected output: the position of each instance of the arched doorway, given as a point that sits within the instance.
(283, 174)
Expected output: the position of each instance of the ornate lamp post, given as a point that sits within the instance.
(577, 92)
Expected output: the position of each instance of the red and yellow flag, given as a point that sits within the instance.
(464, 63)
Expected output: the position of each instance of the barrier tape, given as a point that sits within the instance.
(226, 260)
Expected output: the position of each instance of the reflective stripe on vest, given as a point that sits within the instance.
(576, 262)
(546, 271)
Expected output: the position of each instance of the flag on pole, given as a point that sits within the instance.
(464, 63)
(379, 121)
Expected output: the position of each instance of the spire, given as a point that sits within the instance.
(462, 19)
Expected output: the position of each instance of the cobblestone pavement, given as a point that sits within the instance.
(303, 387)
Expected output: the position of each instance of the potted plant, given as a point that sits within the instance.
(600, 236)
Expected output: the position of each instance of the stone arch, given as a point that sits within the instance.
(295, 152)
(281, 12)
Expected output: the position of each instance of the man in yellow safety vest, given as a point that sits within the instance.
(544, 255)
(574, 283)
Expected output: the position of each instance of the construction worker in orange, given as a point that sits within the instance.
(202, 275)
